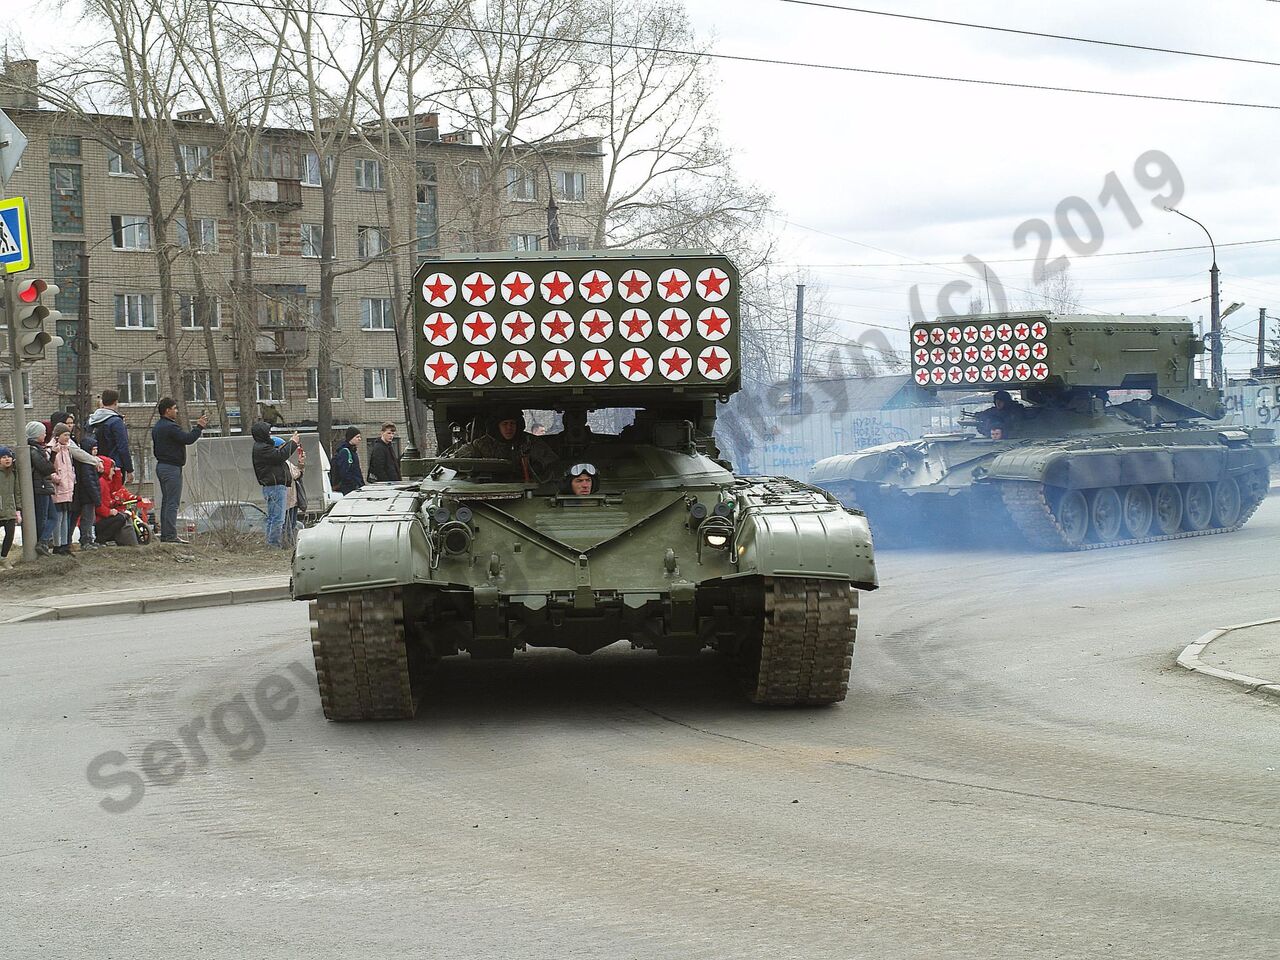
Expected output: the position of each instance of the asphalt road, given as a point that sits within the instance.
(1020, 771)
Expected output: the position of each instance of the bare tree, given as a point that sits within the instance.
(1057, 292)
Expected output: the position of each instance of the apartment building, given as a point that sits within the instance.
(90, 224)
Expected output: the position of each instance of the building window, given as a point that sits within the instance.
(6, 398)
(526, 242)
(131, 233)
(138, 387)
(376, 314)
(312, 240)
(135, 311)
(266, 238)
(572, 185)
(197, 386)
(205, 239)
(274, 162)
(313, 313)
(379, 383)
(64, 146)
(574, 243)
(368, 174)
(270, 386)
(194, 312)
(66, 198)
(310, 168)
(521, 184)
(195, 160)
(313, 383)
(370, 242)
(427, 226)
(116, 165)
(469, 178)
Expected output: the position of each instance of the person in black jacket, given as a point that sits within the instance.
(41, 485)
(345, 473)
(273, 475)
(384, 465)
(169, 443)
(87, 495)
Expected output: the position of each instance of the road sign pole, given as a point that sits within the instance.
(22, 452)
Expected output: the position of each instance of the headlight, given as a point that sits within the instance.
(716, 533)
(455, 539)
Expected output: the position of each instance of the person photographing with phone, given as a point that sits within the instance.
(271, 468)
(169, 443)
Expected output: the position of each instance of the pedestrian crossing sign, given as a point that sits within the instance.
(15, 235)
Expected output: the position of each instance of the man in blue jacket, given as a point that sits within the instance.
(112, 433)
(169, 443)
(345, 473)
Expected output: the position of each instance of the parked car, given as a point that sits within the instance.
(213, 516)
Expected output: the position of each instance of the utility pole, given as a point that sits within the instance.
(1215, 325)
(797, 355)
(1262, 339)
(82, 344)
(22, 451)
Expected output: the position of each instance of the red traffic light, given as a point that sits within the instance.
(29, 292)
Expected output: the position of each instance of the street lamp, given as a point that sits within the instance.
(1215, 318)
(553, 212)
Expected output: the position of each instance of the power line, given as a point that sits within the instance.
(1030, 33)
(743, 58)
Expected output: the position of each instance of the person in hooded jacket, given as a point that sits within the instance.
(113, 524)
(112, 433)
(64, 485)
(273, 476)
(507, 440)
(345, 472)
(85, 498)
(41, 485)
(8, 503)
(79, 453)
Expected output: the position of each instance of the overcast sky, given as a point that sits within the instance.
(889, 170)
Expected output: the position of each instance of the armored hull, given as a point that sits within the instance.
(671, 552)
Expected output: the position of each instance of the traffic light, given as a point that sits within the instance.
(32, 315)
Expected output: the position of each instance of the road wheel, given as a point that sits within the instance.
(1226, 503)
(1104, 514)
(1167, 502)
(1138, 510)
(1072, 515)
(1197, 506)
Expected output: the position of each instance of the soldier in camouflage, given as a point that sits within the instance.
(506, 439)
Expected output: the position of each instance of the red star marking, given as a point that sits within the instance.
(635, 364)
(921, 336)
(714, 362)
(988, 372)
(595, 285)
(556, 286)
(937, 335)
(714, 322)
(673, 286)
(558, 364)
(713, 284)
(1040, 370)
(635, 284)
(954, 375)
(922, 376)
(1038, 331)
(479, 327)
(988, 353)
(1040, 351)
(518, 366)
(1022, 351)
(442, 369)
(1005, 351)
(971, 374)
(597, 365)
(518, 327)
(635, 325)
(954, 334)
(478, 290)
(970, 334)
(558, 327)
(439, 291)
(971, 354)
(939, 375)
(1023, 371)
(1004, 331)
(675, 363)
(481, 367)
(440, 328)
(517, 288)
(939, 356)
(1020, 331)
(922, 357)
(987, 332)
(596, 325)
(953, 355)
(674, 324)
(1006, 372)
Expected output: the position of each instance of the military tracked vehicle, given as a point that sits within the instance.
(1065, 467)
(489, 555)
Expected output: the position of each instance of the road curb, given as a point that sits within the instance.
(192, 601)
(1190, 659)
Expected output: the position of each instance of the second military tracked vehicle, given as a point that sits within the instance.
(489, 551)
(1065, 467)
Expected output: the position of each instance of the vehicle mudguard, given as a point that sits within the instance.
(1076, 469)
(811, 540)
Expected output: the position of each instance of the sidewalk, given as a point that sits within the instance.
(151, 599)
(1247, 655)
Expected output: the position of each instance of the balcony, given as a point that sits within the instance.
(281, 342)
(275, 194)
